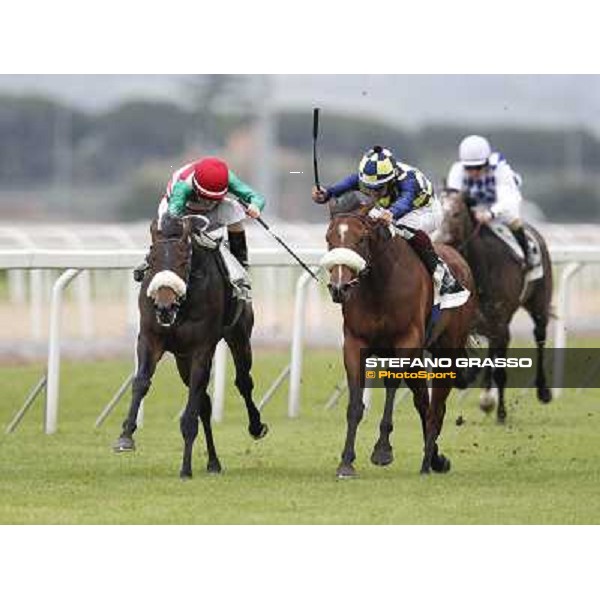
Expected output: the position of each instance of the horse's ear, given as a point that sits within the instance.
(364, 210)
(349, 203)
(469, 200)
(187, 228)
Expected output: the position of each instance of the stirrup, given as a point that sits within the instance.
(140, 272)
(452, 292)
(242, 290)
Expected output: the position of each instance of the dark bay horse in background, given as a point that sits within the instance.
(185, 305)
(386, 295)
(502, 289)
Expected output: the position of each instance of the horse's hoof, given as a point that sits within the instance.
(545, 395)
(124, 444)
(214, 468)
(487, 405)
(264, 429)
(382, 458)
(440, 464)
(185, 475)
(425, 470)
(501, 418)
(346, 472)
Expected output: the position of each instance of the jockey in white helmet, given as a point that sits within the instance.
(487, 178)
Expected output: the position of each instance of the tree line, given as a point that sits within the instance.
(43, 141)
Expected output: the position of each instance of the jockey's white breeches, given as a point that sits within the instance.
(234, 268)
(225, 213)
(427, 218)
(508, 208)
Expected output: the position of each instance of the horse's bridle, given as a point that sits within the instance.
(188, 262)
(198, 224)
(363, 246)
(476, 226)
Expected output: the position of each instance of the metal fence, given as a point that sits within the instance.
(290, 310)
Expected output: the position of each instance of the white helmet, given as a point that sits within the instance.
(474, 151)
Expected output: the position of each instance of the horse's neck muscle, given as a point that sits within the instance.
(393, 261)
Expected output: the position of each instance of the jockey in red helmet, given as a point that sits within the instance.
(201, 187)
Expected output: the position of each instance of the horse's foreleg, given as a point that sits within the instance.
(432, 459)
(198, 406)
(241, 349)
(382, 452)
(148, 355)
(354, 416)
(355, 409)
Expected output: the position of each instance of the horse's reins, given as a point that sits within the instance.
(470, 237)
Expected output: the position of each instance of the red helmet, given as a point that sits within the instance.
(211, 178)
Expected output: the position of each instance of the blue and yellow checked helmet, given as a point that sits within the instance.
(377, 167)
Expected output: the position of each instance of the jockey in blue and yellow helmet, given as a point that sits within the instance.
(406, 198)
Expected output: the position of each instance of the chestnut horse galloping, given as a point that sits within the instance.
(387, 296)
(185, 306)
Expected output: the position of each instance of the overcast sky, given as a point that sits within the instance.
(407, 100)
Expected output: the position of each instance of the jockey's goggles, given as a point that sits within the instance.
(476, 167)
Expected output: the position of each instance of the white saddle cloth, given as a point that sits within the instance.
(504, 233)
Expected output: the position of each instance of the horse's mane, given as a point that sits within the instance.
(168, 226)
(346, 204)
(381, 231)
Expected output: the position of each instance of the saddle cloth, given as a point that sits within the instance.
(504, 233)
(236, 272)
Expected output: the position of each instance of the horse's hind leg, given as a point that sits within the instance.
(487, 396)
(540, 320)
(239, 343)
(382, 452)
(498, 349)
(432, 459)
(148, 355)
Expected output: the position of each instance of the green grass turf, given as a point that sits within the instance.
(542, 467)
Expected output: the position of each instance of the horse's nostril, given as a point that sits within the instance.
(166, 315)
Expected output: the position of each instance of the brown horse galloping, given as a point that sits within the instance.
(185, 304)
(386, 296)
(502, 290)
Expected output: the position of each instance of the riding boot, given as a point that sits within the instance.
(239, 248)
(140, 271)
(522, 239)
(452, 293)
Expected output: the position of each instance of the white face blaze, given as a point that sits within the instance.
(342, 230)
(166, 279)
